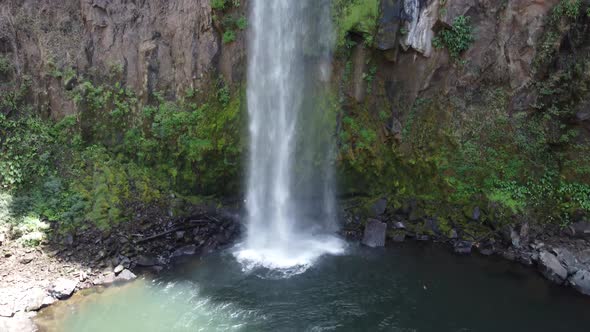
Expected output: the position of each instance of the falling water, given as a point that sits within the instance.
(289, 200)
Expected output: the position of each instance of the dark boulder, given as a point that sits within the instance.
(551, 267)
(378, 207)
(476, 213)
(398, 236)
(581, 281)
(524, 233)
(185, 251)
(422, 237)
(584, 257)
(567, 259)
(431, 224)
(487, 248)
(525, 258)
(375, 232)
(146, 261)
(579, 229)
(463, 247)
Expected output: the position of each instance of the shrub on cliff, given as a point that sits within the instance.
(457, 38)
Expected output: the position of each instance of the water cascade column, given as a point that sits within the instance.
(289, 195)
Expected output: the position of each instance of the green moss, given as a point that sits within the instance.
(357, 16)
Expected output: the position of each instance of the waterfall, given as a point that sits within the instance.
(289, 201)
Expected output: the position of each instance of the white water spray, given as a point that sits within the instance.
(289, 200)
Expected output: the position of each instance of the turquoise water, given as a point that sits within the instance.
(407, 288)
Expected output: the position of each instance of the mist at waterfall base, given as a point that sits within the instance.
(290, 195)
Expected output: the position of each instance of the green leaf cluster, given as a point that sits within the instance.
(457, 38)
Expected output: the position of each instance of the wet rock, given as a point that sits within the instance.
(524, 232)
(35, 299)
(375, 232)
(63, 288)
(398, 237)
(422, 237)
(512, 236)
(581, 281)
(537, 245)
(476, 213)
(525, 258)
(378, 208)
(509, 255)
(146, 261)
(579, 229)
(535, 256)
(567, 259)
(126, 275)
(399, 225)
(185, 251)
(463, 247)
(487, 248)
(584, 257)
(551, 267)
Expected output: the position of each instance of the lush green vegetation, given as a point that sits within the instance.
(115, 156)
(456, 39)
(355, 16)
(230, 23)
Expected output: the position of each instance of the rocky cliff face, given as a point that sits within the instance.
(506, 37)
(149, 46)
(461, 103)
(476, 94)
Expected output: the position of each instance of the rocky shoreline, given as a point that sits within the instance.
(561, 255)
(33, 278)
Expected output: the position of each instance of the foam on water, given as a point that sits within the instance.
(287, 261)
